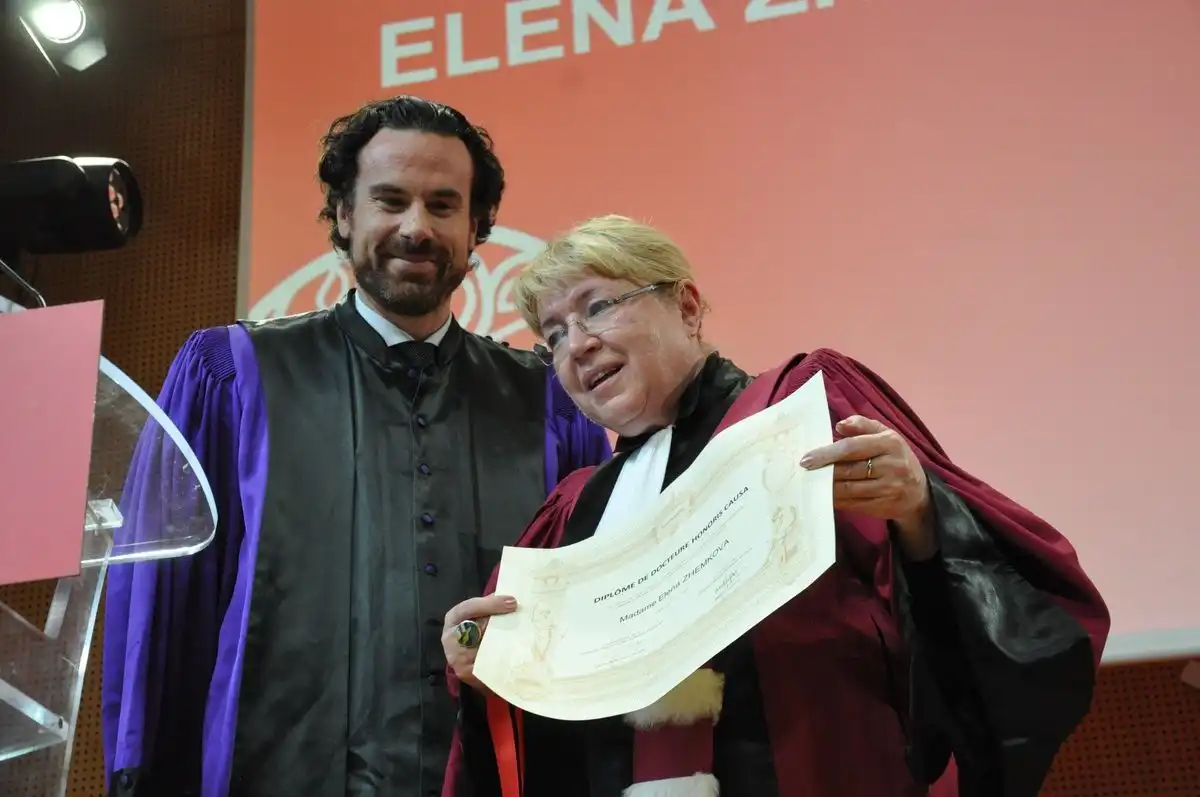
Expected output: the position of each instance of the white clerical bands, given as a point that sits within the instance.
(469, 633)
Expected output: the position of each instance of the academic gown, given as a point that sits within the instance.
(362, 491)
(966, 671)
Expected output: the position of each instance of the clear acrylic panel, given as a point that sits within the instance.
(143, 466)
(148, 499)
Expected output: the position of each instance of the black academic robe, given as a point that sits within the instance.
(362, 492)
(869, 682)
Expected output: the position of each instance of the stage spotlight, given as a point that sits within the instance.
(62, 205)
(63, 31)
(58, 21)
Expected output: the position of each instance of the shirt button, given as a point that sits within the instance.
(431, 569)
(421, 421)
(413, 373)
(427, 519)
(424, 469)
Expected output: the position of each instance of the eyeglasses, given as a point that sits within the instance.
(598, 317)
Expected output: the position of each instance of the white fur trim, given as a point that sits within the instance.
(698, 785)
(699, 696)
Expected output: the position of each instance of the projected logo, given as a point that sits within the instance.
(484, 304)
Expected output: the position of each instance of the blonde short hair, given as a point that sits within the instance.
(614, 247)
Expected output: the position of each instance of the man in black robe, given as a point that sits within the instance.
(368, 464)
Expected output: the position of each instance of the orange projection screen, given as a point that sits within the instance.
(996, 205)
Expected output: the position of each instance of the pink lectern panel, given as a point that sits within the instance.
(49, 361)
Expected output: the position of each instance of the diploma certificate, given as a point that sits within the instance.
(611, 624)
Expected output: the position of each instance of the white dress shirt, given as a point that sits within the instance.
(391, 333)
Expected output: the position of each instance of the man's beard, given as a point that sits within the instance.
(410, 297)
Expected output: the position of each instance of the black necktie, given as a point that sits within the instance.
(415, 354)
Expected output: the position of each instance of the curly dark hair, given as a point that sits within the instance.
(338, 167)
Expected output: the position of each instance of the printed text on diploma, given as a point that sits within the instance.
(673, 557)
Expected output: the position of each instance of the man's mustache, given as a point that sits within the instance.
(425, 250)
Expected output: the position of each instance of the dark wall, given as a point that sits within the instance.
(169, 98)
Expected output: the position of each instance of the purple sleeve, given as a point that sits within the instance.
(572, 441)
(167, 624)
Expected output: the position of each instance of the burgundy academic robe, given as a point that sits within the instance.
(1018, 621)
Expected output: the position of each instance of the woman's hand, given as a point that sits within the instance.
(876, 472)
(463, 631)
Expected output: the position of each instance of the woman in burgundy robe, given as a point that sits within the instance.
(950, 650)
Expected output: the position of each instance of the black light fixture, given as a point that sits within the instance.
(68, 32)
(62, 205)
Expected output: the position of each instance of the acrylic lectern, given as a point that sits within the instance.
(146, 498)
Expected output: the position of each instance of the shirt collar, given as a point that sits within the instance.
(391, 333)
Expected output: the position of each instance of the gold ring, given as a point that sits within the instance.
(870, 465)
